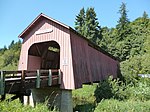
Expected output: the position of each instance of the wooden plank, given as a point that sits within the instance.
(12, 72)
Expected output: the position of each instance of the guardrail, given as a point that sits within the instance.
(24, 76)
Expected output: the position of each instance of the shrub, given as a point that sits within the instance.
(113, 105)
(138, 92)
(110, 88)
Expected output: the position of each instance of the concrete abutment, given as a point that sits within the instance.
(54, 97)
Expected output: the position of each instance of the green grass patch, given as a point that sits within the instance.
(84, 99)
(16, 106)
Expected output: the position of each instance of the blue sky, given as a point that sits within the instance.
(16, 15)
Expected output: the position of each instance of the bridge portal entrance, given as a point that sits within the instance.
(44, 55)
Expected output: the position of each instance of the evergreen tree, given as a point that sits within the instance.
(11, 44)
(145, 15)
(80, 22)
(123, 22)
(145, 20)
(87, 25)
(93, 31)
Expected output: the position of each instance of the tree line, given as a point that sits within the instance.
(129, 41)
(9, 56)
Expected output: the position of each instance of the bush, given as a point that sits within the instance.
(113, 88)
(110, 88)
(113, 105)
(141, 91)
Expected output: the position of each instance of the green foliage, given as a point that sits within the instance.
(84, 99)
(16, 106)
(111, 95)
(9, 57)
(128, 39)
(123, 22)
(110, 88)
(80, 22)
(113, 105)
(87, 25)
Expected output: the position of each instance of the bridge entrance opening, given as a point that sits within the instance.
(45, 55)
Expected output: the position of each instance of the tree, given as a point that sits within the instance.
(92, 26)
(123, 22)
(145, 15)
(11, 44)
(87, 25)
(80, 22)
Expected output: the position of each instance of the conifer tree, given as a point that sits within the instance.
(145, 15)
(123, 22)
(92, 26)
(80, 22)
(87, 25)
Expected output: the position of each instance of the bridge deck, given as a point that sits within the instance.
(20, 82)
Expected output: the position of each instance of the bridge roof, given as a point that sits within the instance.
(43, 16)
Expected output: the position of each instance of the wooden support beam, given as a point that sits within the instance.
(21, 99)
(22, 86)
(50, 78)
(38, 79)
(2, 83)
(38, 50)
(59, 76)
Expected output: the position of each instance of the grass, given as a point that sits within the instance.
(16, 106)
(84, 99)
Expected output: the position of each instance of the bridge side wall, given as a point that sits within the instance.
(89, 64)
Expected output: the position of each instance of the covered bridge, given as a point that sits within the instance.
(54, 60)
(50, 44)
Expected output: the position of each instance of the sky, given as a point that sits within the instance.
(16, 15)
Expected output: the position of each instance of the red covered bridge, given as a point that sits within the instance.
(51, 45)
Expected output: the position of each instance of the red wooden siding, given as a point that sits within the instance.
(89, 64)
(34, 62)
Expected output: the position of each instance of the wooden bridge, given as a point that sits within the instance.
(20, 82)
(56, 56)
